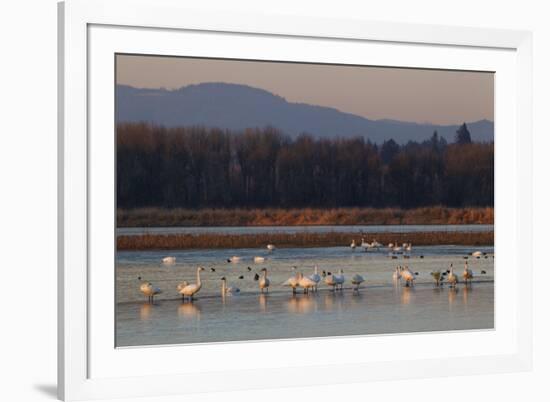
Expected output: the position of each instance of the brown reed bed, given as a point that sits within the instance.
(289, 240)
(437, 215)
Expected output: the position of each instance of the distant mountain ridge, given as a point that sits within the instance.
(236, 107)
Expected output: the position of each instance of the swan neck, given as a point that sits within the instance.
(198, 276)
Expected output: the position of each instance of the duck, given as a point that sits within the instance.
(259, 260)
(353, 245)
(235, 259)
(306, 282)
(189, 290)
(149, 290)
(292, 281)
(170, 260)
(357, 280)
(477, 254)
(271, 247)
(452, 278)
(228, 290)
(315, 277)
(340, 279)
(467, 274)
(437, 277)
(264, 282)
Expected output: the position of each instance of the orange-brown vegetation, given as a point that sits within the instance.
(147, 217)
(285, 240)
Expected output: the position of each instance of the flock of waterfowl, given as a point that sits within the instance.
(310, 283)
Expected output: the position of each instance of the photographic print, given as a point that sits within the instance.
(262, 200)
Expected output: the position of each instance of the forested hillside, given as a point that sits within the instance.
(191, 167)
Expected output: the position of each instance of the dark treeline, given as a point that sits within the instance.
(191, 167)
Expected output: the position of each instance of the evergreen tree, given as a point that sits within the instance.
(463, 135)
(389, 149)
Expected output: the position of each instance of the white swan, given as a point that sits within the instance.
(306, 283)
(340, 279)
(357, 280)
(264, 282)
(397, 250)
(467, 274)
(235, 259)
(228, 290)
(169, 260)
(292, 281)
(375, 244)
(477, 254)
(271, 247)
(189, 290)
(408, 276)
(397, 275)
(315, 277)
(149, 290)
(259, 260)
(408, 247)
(364, 244)
(452, 278)
(330, 280)
(181, 285)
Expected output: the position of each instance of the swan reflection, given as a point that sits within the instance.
(465, 295)
(452, 295)
(262, 302)
(302, 304)
(406, 294)
(333, 301)
(189, 310)
(145, 311)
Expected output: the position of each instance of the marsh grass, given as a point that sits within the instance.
(291, 240)
(149, 217)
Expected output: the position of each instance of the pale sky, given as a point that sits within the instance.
(435, 96)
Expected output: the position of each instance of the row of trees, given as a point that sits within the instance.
(192, 167)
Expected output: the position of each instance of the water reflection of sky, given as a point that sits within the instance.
(282, 315)
(307, 229)
(221, 255)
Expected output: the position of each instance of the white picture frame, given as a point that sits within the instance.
(91, 32)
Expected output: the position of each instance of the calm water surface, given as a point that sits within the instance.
(302, 229)
(379, 307)
(377, 310)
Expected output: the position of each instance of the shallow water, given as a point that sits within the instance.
(305, 229)
(375, 267)
(278, 315)
(380, 306)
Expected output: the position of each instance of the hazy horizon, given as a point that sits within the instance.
(414, 95)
